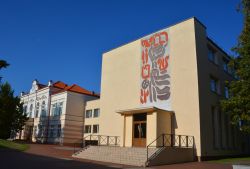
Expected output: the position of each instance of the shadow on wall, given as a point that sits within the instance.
(174, 123)
(174, 127)
(49, 130)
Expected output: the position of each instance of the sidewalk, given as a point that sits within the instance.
(64, 153)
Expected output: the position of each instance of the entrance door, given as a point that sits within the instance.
(139, 130)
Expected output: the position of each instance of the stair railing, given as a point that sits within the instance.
(77, 144)
(171, 140)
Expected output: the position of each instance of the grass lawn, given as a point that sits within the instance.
(13, 145)
(233, 160)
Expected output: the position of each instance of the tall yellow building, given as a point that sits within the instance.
(164, 90)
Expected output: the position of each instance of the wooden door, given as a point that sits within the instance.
(139, 133)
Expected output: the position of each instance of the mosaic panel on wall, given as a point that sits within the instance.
(155, 70)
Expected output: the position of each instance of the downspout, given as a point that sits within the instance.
(33, 134)
(48, 123)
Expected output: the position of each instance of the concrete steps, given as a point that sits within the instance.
(120, 155)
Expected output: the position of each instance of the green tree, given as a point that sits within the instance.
(238, 105)
(12, 118)
(3, 64)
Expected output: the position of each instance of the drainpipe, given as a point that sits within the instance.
(34, 117)
(83, 121)
(48, 123)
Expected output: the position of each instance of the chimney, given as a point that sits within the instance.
(35, 82)
(22, 93)
(50, 83)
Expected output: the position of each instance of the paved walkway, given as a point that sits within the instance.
(54, 157)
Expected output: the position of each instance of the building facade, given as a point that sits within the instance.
(55, 112)
(168, 82)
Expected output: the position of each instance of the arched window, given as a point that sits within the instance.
(25, 109)
(43, 109)
(31, 109)
(37, 109)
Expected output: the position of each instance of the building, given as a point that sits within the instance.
(55, 112)
(166, 85)
(162, 91)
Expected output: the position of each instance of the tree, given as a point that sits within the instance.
(238, 105)
(12, 118)
(3, 64)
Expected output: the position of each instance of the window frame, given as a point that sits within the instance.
(97, 129)
(225, 65)
(59, 130)
(86, 112)
(37, 109)
(87, 131)
(212, 52)
(57, 109)
(226, 92)
(30, 110)
(25, 108)
(94, 113)
(51, 131)
(216, 83)
(43, 109)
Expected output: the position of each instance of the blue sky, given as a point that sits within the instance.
(64, 39)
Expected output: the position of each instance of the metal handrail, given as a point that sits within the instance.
(173, 142)
(101, 140)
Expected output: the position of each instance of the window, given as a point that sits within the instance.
(88, 114)
(87, 129)
(57, 109)
(41, 131)
(37, 109)
(35, 131)
(60, 106)
(96, 112)
(51, 132)
(211, 56)
(96, 128)
(43, 109)
(31, 109)
(25, 109)
(226, 92)
(226, 68)
(225, 65)
(214, 85)
(59, 130)
(53, 109)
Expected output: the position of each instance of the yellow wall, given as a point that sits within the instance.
(120, 85)
(151, 128)
(191, 98)
(184, 86)
(91, 105)
(128, 131)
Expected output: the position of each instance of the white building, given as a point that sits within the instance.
(55, 112)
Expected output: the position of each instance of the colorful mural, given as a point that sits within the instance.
(155, 77)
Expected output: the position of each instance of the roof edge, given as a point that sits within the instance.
(171, 25)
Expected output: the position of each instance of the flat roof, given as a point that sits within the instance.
(141, 110)
(193, 17)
